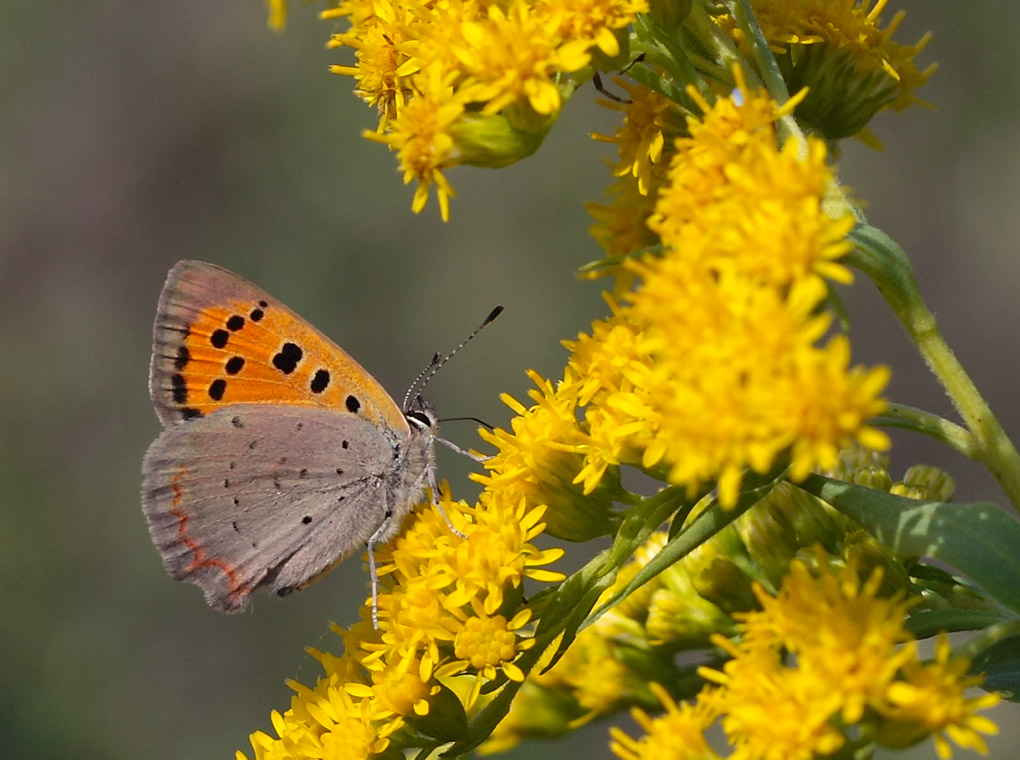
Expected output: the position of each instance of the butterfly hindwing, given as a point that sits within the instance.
(219, 340)
(256, 495)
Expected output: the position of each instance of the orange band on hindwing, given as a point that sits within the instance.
(199, 559)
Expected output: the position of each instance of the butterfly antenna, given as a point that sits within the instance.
(438, 361)
(483, 423)
(418, 380)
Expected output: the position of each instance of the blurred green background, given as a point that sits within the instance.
(133, 134)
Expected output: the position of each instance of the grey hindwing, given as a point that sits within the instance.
(256, 495)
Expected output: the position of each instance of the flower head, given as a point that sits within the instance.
(679, 734)
(851, 67)
(930, 701)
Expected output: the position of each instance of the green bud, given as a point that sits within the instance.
(900, 734)
(500, 139)
(679, 614)
(576, 516)
(716, 576)
(932, 483)
(864, 468)
(869, 553)
(783, 523)
(669, 13)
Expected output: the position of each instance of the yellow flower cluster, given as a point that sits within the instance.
(449, 607)
(713, 364)
(825, 654)
(481, 83)
(837, 49)
(694, 600)
(467, 82)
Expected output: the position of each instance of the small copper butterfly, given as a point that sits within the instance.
(280, 455)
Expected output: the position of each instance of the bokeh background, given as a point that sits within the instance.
(133, 134)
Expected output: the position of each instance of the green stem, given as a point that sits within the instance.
(878, 256)
(926, 423)
(761, 53)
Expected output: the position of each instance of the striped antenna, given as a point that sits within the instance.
(438, 360)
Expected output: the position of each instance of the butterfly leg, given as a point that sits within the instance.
(434, 486)
(372, 573)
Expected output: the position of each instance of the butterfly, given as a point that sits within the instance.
(280, 454)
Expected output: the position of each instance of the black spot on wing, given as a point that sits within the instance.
(179, 388)
(320, 381)
(183, 357)
(216, 389)
(234, 365)
(219, 338)
(286, 360)
(235, 323)
(352, 404)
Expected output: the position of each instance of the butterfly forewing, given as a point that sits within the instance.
(220, 340)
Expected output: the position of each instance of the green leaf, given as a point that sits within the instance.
(709, 522)
(1001, 665)
(926, 623)
(979, 540)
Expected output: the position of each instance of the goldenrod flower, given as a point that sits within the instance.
(826, 653)
(649, 118)
(510, 57)
(380, 34)
(836, 49)
(594, 21)
(733, 200)
(487, 643)
(421, 135)
(841, 632)
(679, 734)
(769, 711)
(726, 229)
(326, 722)
(538, 459)
(621, 225)
(930, 701)
(704, 378)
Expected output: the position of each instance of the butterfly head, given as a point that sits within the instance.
(421, 415)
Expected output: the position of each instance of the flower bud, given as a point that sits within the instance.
(500, 139)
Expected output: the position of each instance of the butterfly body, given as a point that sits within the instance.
(280, 455)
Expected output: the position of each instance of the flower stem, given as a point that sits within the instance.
(878, 256)
(926, 423)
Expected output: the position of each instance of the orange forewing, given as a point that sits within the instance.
(219, 341)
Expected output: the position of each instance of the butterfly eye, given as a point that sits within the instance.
(422, 418)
